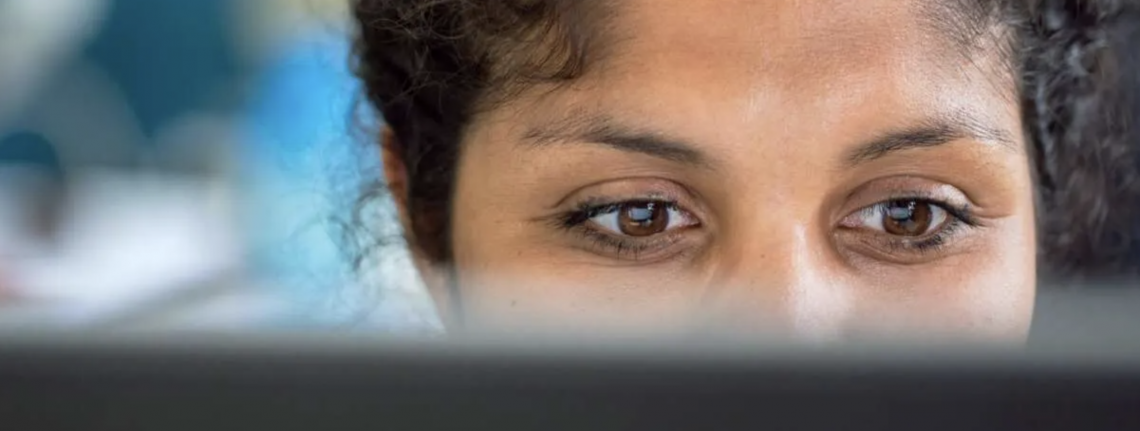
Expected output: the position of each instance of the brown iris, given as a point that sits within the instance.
(907, 218)
(640, 219)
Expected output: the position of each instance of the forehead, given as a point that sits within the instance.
(784, 42)
(792, 26)
(774, 60)
(789, 24)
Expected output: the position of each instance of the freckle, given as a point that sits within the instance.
(513, 303)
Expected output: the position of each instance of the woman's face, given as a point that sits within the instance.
(820, 168)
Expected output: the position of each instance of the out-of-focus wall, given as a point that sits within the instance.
(202, 154)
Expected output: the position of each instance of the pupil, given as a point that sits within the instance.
(902, 213)
(907, 218)
(643, 219)
(642, 214)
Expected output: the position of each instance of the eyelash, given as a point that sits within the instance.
(961, 217)
(577, 220)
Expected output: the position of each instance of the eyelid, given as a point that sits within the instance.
(630, 188)
(678, 217)
(942, 241)
(877, 214)
(908, 188)
(617, 246)
(961, 213)
(673, 193)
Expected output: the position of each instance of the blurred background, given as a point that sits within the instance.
(191, 164)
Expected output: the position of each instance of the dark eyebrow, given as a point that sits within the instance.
(931, 133)
(608, 132)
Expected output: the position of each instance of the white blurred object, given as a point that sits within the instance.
(126, 243)
(34, 36)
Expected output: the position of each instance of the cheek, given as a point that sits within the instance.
(545, 298)
(988, 293)
(514, 281)
(513, 271)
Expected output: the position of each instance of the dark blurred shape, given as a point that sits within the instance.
(32, 150)
(39, 164)
(327, 383)
(168, 56)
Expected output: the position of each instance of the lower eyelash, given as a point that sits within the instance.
(612, 244)
(575, 222)
(960, 217)
(938, 240)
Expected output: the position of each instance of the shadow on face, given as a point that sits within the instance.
(819, 168)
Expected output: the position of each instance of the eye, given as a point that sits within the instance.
(904, 218)
(642, 218)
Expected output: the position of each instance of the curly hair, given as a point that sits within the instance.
(431, 66)
(1080, 90)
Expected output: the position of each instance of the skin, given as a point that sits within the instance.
(773, 126)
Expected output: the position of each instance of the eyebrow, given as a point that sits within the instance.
(607, 132)
(931, 133)
(601, 130)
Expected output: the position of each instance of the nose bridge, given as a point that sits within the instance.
(770, 259)
(775, 274)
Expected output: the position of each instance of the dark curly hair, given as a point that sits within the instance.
(430, 66)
